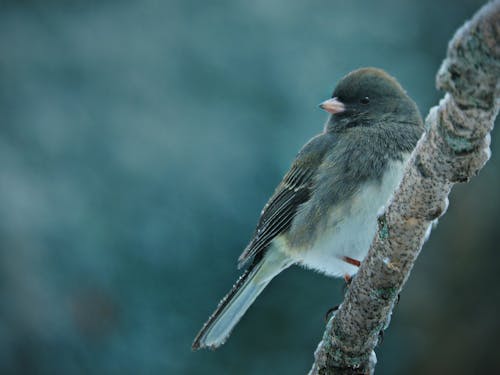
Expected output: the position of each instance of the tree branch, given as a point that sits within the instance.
(454, 148)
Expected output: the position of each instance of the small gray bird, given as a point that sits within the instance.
(323, 213)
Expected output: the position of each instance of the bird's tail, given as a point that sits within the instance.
(234, 305)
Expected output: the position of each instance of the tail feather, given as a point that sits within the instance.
(233, 306)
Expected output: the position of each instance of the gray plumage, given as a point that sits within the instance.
(325, 207)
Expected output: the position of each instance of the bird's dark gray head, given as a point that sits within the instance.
(370, 97)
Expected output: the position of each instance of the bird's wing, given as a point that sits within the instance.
(295, 189)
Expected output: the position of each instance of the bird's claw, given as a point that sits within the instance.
(329, 312)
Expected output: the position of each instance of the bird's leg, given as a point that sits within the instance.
(352, 261)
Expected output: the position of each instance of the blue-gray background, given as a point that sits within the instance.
(139, 141)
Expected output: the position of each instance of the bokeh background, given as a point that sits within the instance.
(139, 141)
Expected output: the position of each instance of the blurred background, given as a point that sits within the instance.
(139, 141)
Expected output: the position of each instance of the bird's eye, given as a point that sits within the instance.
(365, 100)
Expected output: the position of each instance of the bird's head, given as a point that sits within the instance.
(369, 97)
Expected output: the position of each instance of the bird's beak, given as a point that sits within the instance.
(333, 106)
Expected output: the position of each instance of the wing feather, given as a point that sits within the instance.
(294, 190)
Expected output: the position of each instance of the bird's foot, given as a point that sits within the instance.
(348, 281)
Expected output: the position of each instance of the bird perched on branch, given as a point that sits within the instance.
(323, 213)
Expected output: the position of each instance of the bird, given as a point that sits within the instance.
(323, 214)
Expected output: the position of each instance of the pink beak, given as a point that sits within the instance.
(333, 106)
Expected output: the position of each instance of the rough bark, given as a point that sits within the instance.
(454, 148)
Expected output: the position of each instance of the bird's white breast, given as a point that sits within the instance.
(351, 226)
